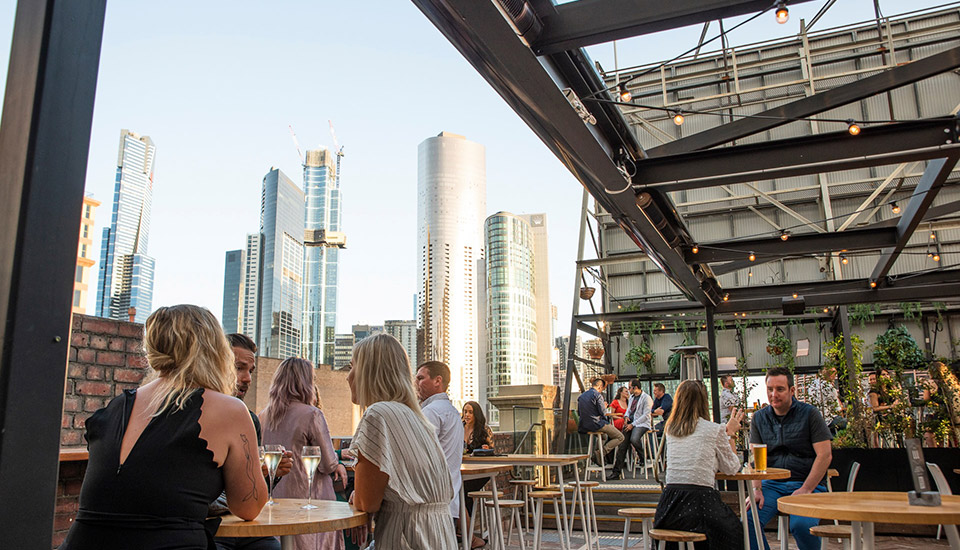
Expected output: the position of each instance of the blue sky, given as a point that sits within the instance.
(216, 84)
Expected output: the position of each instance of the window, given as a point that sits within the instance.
(79, 276)
(76, 298)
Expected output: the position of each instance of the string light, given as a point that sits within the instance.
(752, 257)
(795, 295)
(695, 249)
(750, 273)
(873, 284)
(895, 207)
(678, 117)
(844, 260)
(936, 257)
(625, 95)
(783, 14)
(726, 297)
(852, 127)
(663, 326)
(784, 235)
(826, 310)
(933, 235)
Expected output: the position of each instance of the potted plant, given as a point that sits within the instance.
(587, 292)
(641, 355)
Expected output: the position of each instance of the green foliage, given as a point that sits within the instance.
(781, 349)
(895, 350)
(642, 355)
(862, 313)
(859, 421)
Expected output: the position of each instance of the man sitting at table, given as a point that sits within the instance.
(662, 405)
(592, 407)
(637, 422)
(798, 440)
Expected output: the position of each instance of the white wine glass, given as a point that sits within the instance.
(260, 453)
(310, 456)
(272, 454)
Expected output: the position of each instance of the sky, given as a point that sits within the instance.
(216, 84)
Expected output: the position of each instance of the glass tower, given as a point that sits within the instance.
(232, 290)
(126, 272)
(323, 238)
(281, 255)
(511, 316)
(250, 298)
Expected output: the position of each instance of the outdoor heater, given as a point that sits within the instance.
(690, 366)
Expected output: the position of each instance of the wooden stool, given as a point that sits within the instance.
(514, 506)
(589, 510)
(538, 498)
(645, 515)
(526, 484)
(827, 532)
(479, 498)
(598, 437)
(686, 538)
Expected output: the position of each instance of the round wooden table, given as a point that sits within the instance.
(743, 477)
(286, 518)
(864, 508)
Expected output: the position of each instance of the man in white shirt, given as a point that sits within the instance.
(433, 378)
(636, 423)
(728, 399)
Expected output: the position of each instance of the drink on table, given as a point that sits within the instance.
(272, 454)
(759, 457)
(310, 456)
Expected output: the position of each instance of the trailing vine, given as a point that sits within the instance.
(642, 355)
(781, 349)
(895, 350)
(859, 420)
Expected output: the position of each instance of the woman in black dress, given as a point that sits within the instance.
(476, 435)
(161, 453)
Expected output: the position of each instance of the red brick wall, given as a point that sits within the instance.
(106, 357)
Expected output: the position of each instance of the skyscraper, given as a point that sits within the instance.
(323, 239)
(511, 304)
(362, 331)
(451, 203)
(232, 290)
(343, 351)
(281, 281)
(126, 272)
(250, 300)
(406, 332)
(541, 274)
(81, 282)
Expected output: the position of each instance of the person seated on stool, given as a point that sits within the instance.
(798, 440)
(591, 406)
(662, 404)
(698, 449)
(637, 423)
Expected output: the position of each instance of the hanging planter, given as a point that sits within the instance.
(587, 292)
(778, 343)
(595, 352)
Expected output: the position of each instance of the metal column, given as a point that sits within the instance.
(714, 382)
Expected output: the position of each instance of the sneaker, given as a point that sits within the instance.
(613, 476)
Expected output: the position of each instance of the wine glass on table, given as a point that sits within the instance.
(310, 456)
(271, 457)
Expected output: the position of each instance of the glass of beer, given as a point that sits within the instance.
(759, 451)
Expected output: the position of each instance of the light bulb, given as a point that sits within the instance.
(695, 249)
(726, 297)
(936, 257)
(678, 118)
(844, 260)
(933, 235)
(795, 295)
(752, 257)
(895, 207)
(873, 284)
(826, 310)
(784, 235)
(852, 127)
(625, 95)
(783, 14)
(750, 274)
(663, 327)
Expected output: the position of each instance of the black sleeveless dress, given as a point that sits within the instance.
(156, 500)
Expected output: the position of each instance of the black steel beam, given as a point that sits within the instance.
(44, 141)
(875, 146)
(773, 248)
(588, 22)
(818, 103)
(482, 35)
(931, 182)
(932, 214)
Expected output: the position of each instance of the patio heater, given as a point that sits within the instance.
(690, 366)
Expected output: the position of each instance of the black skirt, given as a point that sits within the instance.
(699, 509)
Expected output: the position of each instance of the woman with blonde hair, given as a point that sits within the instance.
(161, 453)
(696, 449)
(291, 419)
(401, 473)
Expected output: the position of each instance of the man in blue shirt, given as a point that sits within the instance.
(798, 440)
(592, 408)
(662, 405)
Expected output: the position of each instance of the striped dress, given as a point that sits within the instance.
(415, 514)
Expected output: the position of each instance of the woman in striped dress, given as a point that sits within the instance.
(401, 474)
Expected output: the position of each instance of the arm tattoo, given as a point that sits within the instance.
(249, 458)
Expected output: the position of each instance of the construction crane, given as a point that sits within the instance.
(337, 149)
(296, 143)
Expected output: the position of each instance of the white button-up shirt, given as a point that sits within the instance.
(641, 414)
(446, 420)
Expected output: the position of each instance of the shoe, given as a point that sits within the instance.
(477, 542)
(613, 476)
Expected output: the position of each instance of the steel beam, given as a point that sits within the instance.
(588, 22)
(879, 145)
(614, 260)
(44, 141)
(930, 184)
(824, 101)
(932, 214)
(773, 248)
(532, 87)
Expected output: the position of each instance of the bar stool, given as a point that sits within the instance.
(479, 499)
(685, 538)
(645, 515)
(827, 532)
(590, 511)
(539, 498)
(525, 484)
(598, 437)
(514, 506)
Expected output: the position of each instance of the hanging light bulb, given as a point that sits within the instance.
(826, 310)
(933, 235)
(852, 127)
(795, 295)
(784, 235)
(783, 14)
(750, 273)
(936, 257)
(625, 95)
(752, 257)
(663, 326)
(678, 117)
(873, 284)
(695, 249)
(895, 207)
(844, 260)
(726, 297)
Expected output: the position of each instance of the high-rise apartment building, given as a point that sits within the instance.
(406, 333)
(250, 298)
(323, 239)
(232, 290)
(126, 271)
(562, 344)
(281, 255)
(362, 331)
(451, 205)
(511, 304)
(343, 351)
(81, 282)
(541, 275)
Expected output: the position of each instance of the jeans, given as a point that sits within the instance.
(799, 525)
(635, 439)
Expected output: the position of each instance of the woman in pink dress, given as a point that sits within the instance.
(291, 419)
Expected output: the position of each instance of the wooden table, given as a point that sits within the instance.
(744, 492)
(864, 508)
(478, 471)
(550, 461)
(286, 518)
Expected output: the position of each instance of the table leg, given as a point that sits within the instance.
(868, 543)
(465, 538)
(951, 531)
(287, 542)
(562, 524)
(496, 510)
(743, 513)
(856, 536)
(757, 528)
(587, 527)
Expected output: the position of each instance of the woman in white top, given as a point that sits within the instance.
(696, 450)
(401, 474)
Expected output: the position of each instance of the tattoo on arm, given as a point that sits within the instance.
(254, 494)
